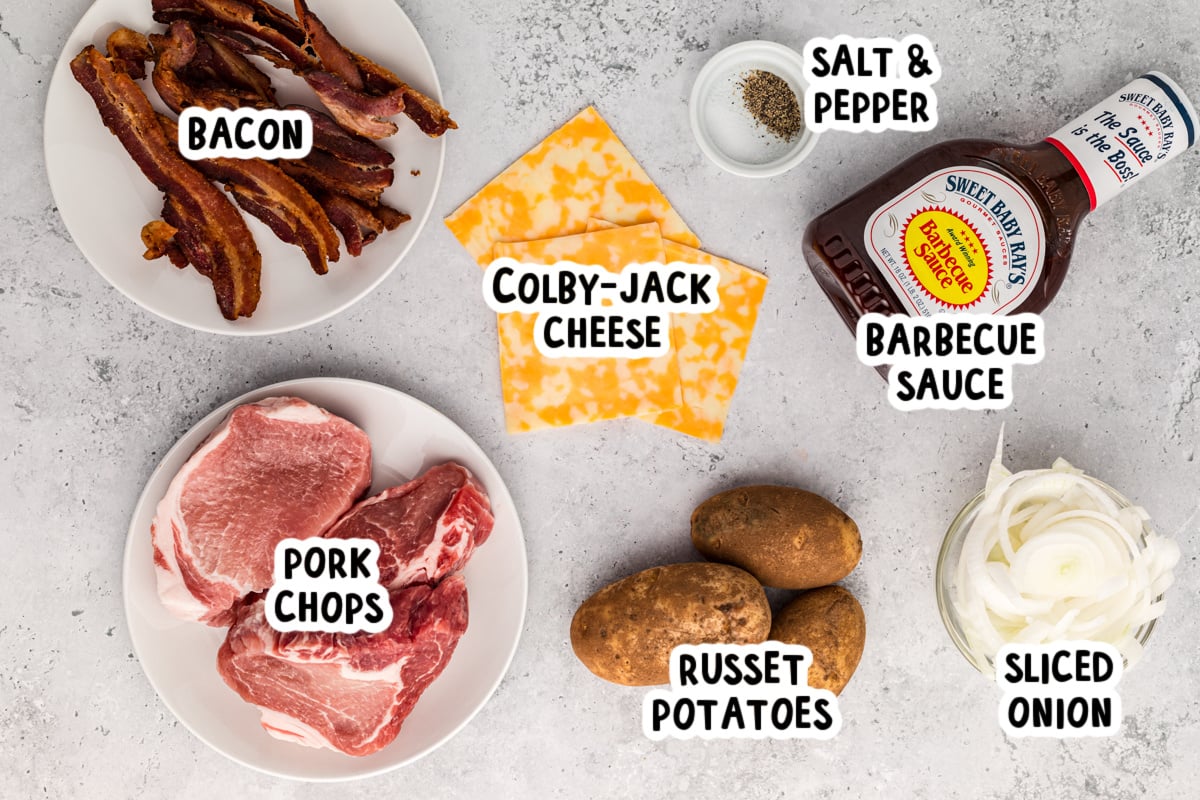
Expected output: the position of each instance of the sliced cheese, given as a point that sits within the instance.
(710, 347)
(581, 170)
(541, 392)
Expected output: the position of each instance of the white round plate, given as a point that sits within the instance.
(180, 658)
(726, 132)
(105, 199)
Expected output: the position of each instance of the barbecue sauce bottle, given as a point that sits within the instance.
(988, 227)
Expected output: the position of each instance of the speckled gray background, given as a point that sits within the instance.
(95, 390)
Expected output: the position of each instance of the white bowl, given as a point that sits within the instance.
(104, 198)
(180, 658)
(725, 130)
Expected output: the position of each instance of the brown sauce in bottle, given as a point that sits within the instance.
(988, 227)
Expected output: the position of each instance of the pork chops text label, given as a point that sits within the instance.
(328, 586)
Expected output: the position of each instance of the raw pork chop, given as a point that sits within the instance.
(275, 469)
(346, 692)
(426, 529)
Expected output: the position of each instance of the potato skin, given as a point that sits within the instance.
(787, 538)
(625, 632)
(830, 622)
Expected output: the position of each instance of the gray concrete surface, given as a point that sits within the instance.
(95, 390)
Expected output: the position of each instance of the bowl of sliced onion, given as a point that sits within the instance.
(1051, 555)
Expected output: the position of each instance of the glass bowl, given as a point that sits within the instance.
(947, 564)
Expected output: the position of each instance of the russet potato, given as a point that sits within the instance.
(830, 622)
(625, 632)
(787, 538)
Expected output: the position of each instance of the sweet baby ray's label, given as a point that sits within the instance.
(962, 239)
(1128, 135)
(711, 347)
(541, 392)
(581, 170)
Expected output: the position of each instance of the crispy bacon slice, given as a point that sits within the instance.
(189, 72)
(259, 19)
(130, 51)
(323, 171)
(335, 58)
(364, 114)
(427, 113)
(229, 64)
(359, 93)
(337, 141)
(390, 217)
(210, 231)
(247, 46)
(264, 190)
(358, 224)
(159, 238)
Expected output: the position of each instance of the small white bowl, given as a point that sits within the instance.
(725, 130)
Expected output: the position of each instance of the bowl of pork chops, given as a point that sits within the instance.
(335, 459)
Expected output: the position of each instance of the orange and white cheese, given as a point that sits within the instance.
(541, 392)
(710, 347)
(582, 170)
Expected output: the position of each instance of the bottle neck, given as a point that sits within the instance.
(1128, 135)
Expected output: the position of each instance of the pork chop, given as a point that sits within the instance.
(346, 692)
(278, 468)
(426, 528)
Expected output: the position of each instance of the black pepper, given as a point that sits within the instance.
(772, 103)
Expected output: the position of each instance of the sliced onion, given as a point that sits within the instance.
(1052, 556)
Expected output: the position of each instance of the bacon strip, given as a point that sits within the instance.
(337, 141)
(189, 72)
(211, 232)
(246, 46)
(259, 19)
(159, 238)
(323, 171)
(359, 93)
(427, 113)
(336, 59)
(235, 68)
(359, 112)
(341, 164)
(129, 51)
(358, 224)
(264, 190)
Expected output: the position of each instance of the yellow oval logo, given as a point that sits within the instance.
(947, 257)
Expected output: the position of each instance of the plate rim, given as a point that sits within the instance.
(208, 421)
(61, 73)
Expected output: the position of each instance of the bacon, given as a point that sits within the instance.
(336, 60)
(359, 112)
(130, 51)
(359, 93)
(358, 224)
(246, 46)
(259, 19)
(264, 190)
(390, 217)
(189, 72)
(337, 141)
(323, 171)
(159, 238)
(259, 187)
(427, 113)
(210, 231)
(236, 69)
